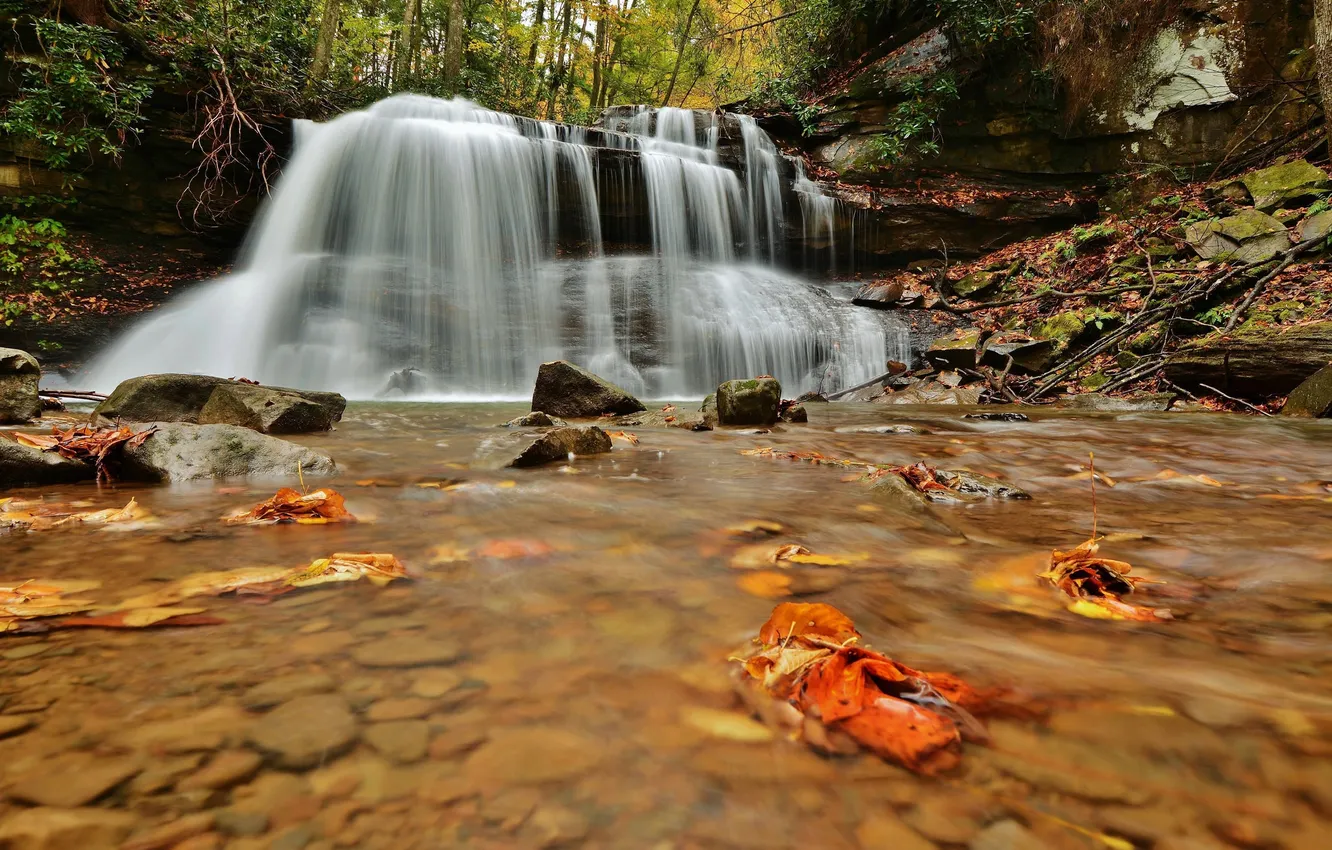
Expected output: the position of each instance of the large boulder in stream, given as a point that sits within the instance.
(181, 451)
(19, 376)
(1313, 398)
(183, 398)
(563, 389)
(269, 410)
(1256, 362)
(756, 401)
(559, 443)
(22, 466)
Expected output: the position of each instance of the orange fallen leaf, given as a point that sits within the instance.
(756, 528)
(631, 439)
(287, 506)
(514, 548)
(1096, 585)
(90, 445)
(798, 619)
(140, 618)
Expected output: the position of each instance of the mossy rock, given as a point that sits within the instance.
(1254, 362)
(754, 401)
(1095, 381)
(19, 378)
(1249, 237)
(1274, 187)
(1313, 398)
(978, 286)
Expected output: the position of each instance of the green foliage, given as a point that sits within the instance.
(74, 103)
(34, 254)
(981, 26)
(913, 126)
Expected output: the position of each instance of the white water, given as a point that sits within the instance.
(421, 233)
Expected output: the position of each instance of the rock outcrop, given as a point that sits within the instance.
(535, 419)
(19, 377)
(1313, 398)
(181, 451)
(1249, 236)
(185, 398)
(558, 444)
(756, 401)
(563, 389)
(1257, 362)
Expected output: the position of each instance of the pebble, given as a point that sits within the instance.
(285, 688)
(162, 773)
(407, 651)
(293, 838)
(454, 742)
(31, 650)
(225, 770)
(241, 823)
(171, 834)
(322, 644)
(946, 818)
(534, 755)
(71, 781)
(435, 683)
(402, 741)
(401, 708)
(884, 831)
(1070, 767)
(65, 829)
(210, 729)
(306, 731)
(1006, 835)
(15, 724)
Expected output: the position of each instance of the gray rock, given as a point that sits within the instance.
(1030, 356)
(1247, 237)
(755, 401)
(1138, 402)
(182, 398)
(1316, 226)
(535, 419)
(999, 417)
(64, 829)
(1273, 187)
(268, 410)
(933, 392)
(406, 651)
(559, 443)
(955, 351)
(892, 488)
(1313, 398)
(880, 294)
(980, 485)
(708, 410)
(795, 413)
(179, 451)
(563, 389)
(23, 465)
(306, 732)
(19, 376)
(403, 741)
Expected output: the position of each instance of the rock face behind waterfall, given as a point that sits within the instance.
(180, 451)
(19, 375)
(220, 401)
(563, 389)
(751, 402)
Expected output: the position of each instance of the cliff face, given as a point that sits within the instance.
(1218, 80)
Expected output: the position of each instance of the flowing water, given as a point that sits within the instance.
(468, 244)
(576, 620)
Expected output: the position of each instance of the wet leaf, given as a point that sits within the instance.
(379, 569)
(138, 618)
(814, 560)
(1096, 585)
(800, 619)
(631, 439)
(96, 446)
(756, 528)
(213, 583)
(766, 584)
(514, 548)
(288, 506)
(728, 725)
(44, 517)
(758, 556)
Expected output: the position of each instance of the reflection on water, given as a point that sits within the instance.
(554, 667)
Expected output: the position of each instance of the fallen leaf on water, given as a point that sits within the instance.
(287, 506)
(808, 656)
(447, 553)
(631, 439)
(729, 725)
(378, 482)
(1096, 585)
(379, 569)
(817, 560)
(756, 528)
(765, 584)
(757, 556)
(514, 548)
(135, 619)
(442, 484)
(46, 516)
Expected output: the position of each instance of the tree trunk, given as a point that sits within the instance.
(328, 33)
(453, 45)
(599, 52)
(555, 77)
(679, 54)
(537, 21)
(404, 55)
(1323, 44)
(610, 88)
(418, 33)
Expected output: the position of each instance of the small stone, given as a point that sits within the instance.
(210, 729)
(284, 688)
(18, 653)
(402, 741)
(293, 838)
(553, 825)
(407, 651)
(65, 829)
(446, 790)
(884, 831)
(241, 823)
(306, 731)
(401, 708)
(225, 770)
(433, 684)
(947, 819)
(68, 782)
(1007, 835)
(15, 724)
(534, 755)
(162, 773)
(171, 834)
(321, 645)
(455, 742)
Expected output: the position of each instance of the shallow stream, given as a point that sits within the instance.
(570, 622)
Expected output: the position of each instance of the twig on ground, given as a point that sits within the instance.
(1236, 400)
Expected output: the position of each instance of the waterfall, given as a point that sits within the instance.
(468, 244)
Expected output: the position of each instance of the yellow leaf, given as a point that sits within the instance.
(1088, 608)
(756, 528)
(728, 725)
(814, 560)
(765, 584)
(141, 617)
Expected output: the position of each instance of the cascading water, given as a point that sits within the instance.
(423, 233)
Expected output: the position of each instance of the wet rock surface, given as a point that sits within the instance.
(19, 377)
(24, 465)
(183, 398)
(563, 389)
(1254, 362)
(560, 443)
(267, 410)
(184, 452)
(535, 419)
(1312, 399)
(753, 401)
